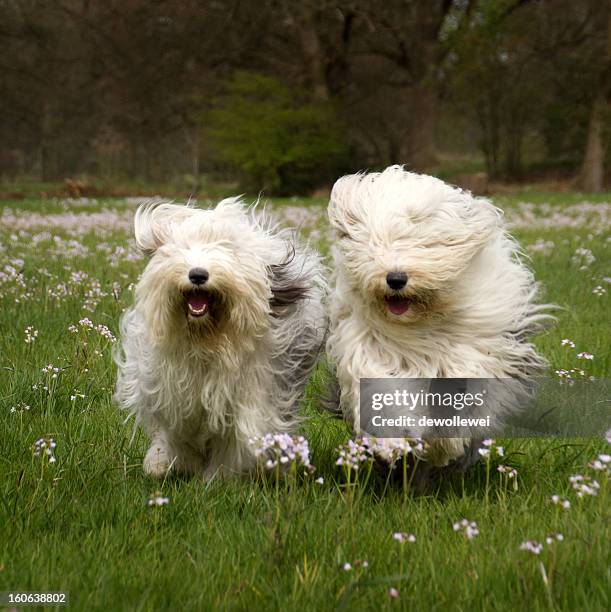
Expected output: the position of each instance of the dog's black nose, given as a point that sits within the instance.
(198, 276)
(396, 280)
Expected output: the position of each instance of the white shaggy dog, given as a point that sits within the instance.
(427, 284)
(226, 327)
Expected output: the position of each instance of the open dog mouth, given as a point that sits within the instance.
(397, 304)
(198, 303)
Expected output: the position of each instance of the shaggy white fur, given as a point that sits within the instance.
(226, 327)
(465, 310)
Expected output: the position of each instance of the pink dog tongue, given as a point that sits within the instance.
(397, 305)
(198, 303)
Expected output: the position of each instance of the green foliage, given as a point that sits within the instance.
(526, 79)
(275, 140)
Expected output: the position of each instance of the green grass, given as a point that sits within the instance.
(83, 525)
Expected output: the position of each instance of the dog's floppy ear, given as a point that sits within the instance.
(148, 232)
(480, 218)
(341, 214)
(465, 227)
(153, 222)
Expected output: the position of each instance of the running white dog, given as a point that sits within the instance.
(226, 327)
(427, 284)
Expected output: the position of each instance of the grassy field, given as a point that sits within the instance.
(82, 523)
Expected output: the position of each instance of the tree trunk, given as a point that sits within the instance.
(48, 158)
(592, 177)
(424, 111)
(593, 168)
(312, 52)
(513, 152)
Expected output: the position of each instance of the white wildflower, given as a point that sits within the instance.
(158, 500)
(532, 546)
(468, 528)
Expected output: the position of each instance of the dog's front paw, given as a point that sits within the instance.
(157, 461)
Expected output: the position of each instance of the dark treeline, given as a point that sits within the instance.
(284, 94)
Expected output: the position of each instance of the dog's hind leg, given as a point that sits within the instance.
(228, 457)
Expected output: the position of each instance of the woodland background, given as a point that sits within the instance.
(285, 95)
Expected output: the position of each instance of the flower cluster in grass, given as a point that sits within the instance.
(401, 537)
(355, 453)
(565, 504)
(348, 567)
(554, 537)
(51, 370)
(21, 407)
(467, 528)
(88, 324)
(508, 471)
(542, 246)
(395, 450)
(362, 450)
(30, 334)
(569, 375)
(489, 450)
(534, 547)
(583, 257)
(355, 570)
(157, 500)
(357, 457)
(601, 464)
(45, 449)
(584, 485)
(282, 452)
